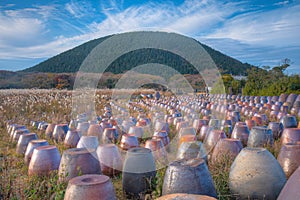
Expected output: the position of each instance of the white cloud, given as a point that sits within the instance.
(79, 9)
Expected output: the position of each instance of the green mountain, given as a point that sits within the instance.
(70, 61)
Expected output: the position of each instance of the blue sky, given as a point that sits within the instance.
(254, 31)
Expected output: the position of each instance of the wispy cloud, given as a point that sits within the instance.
(80, 9)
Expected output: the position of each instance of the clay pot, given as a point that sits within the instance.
(91, 186)
(18, 133)
(226, 148)
(110, 159)
(188, 176)
(182, 124)
(290, 135)
(289, 158)
(24, 141)
(212, 138)
(60, 132)
(291, 189)
(110, 135)
(276, 128)
(88, 142)
(256, 174)
(161, 126)
(31, 146)
(95, 130)
(227, 129)
(203, 132)
(49, 130)
(186, 131)
(241, 132)
(215, 123)
(78, 161)
(191, 150)
(250, 123)
(44, 160)
(198, 123)
(138, 172)
(182, 196)
(128, 142)
(83, 127)
(137, 131)
(260, 137)
(289, 121)
(14, 128)
(72, 138)
(159, 153)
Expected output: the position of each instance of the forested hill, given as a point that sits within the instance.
(70, 61)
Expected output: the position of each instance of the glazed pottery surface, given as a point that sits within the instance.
(90, 187)
(24, 141)
(31, 146)
(78, 161)
(182, 196)
(276, 128)
(191, 150)
(256, 174)
(289, 121)
(290, 135)
(212, 138)
(72, 138)
(291, 189)
(188, 176)
(88, 142)
(44, 160)
(289, 158)
(128, 142)
(260, 137)
(241, 132)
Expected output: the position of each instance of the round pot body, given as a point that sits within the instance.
(128, 142)
(49, 130)
(241, 132)
(260, 137)
(72, 138)
(137, 131)
(291, 190)
(256, 174)
(204, 132)
(276, 128)
(78, 161)
(289, 121)
(17, 133)
(289, 158)
(31, 146)
(290, 135)
(95, 130)
(83, 127)
(110, 159)
(138, 172)
(226, 148)
(188, 176)
(250, 123)
(110, 135)
(212, 138)
(88, 142)
(60, 132)
(24, 141)
(91, 186)
(186, 131)
(158, 150)
(44, 160)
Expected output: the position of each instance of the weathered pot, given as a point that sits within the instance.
(163, 136)
(212, 138)
(110, 159)
(14, 128)
(72, 138)
(227, 129)
(186, 131)
(24, 141)
(291, 190)
(191, 150)
(83, 127)
(260, 136)
(138, 172)
(159, 152)
(290, 135)
(289, 121)
(44, 160)
(88, 142)
(289, 158)
(18, 133)
(60, 132)
(161, 126)
(226, 149)
(250, 123)
(181, 124)
(198, 123)
(128, 142)
(258, 120)
(188, 176)
(91, 186)
(31, 146)
(78, 161)
(256, 174)
(95, 130)
(182, 196)
(215, 123)
(204, 132)
(276, 128)
(110, 135)
(241, 132)
(49, 130)
(186, 138)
